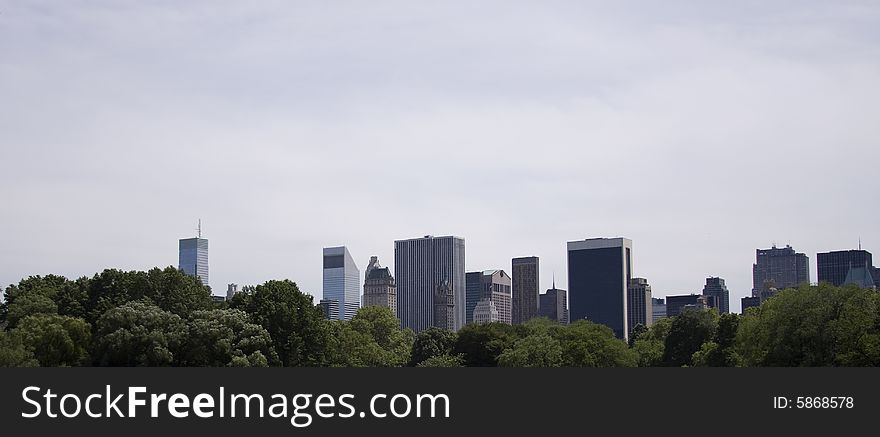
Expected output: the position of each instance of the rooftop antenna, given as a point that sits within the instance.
(554, 280)
(200, 228)
(860, 243)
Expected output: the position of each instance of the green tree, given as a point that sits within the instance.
(720, 352)
(13, 353)
(430, 343)
(380, 324)
(139, 334)
(481, 344)
(650, 345)
(637, 332)
(539, 350)
(819, 325)
(689, 331)
(587, 344)
(55, 340)
(219, 338)
(296, 325)
(28, 303)
(443, 361)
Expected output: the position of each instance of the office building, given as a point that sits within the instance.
(784, 267)
(553, 305)
(675, 305)
(750, 302)
(717, 289)
(638, 305)
(193, 258)
(421, 265)
(342, 281)
(485, 312)
(444, 307)
(231, 291)
(525, 275)
(599, 272)
(860, 276)
(833, 267)
(494, 285)
(330, 308)
(658, 308)
(379, 287)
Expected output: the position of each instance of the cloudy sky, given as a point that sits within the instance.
(701, 130)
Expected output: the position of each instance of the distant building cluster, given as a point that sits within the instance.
(432, 288)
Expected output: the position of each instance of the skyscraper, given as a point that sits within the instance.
(833, 267)
(599, 271)
(554, 305)
(658, 308)
(716, 288)
(341, 282)
(491, 285)
(421, 265)
(379, 288)
(193, 257)
(784, 267)
(444, 307)
(676, 304)
(639, 309)
(526, 278)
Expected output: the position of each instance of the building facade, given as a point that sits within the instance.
(444, 307)
(750, 302)
(379, 287)
(599, 272)
(193, 258)
(833, 267)
(717, 289)
(675, 305)
(553, 304)
(485, 312)
(525, 273)
(638, 305)
(330, 308)
(494, 285)
(421, 265)
(784, 267)
(342, 281)
(658, 308)
(231, 291)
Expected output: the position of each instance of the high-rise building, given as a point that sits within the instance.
(834, 266)
(526, 279)
(342, 281)
(658, 308)
(784, 267)
(599, 271)
(330, 308)
(716, 288)
(485, 312)
(750, 302)
(675, 305)
(554, 305)
(231, 291)
(193, 258)
(444, 307)
(494, 285)
(379, 287)
(638, 305)
(421, 265)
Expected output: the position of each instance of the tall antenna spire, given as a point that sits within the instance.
(200, 228)
(554, 280)
(860, 243)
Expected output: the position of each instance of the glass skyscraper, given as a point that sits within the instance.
(421, 266)
(341, 282)
(193, 258)
(599, 271)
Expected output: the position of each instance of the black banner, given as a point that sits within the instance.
(409, 401)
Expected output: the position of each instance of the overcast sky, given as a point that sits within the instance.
(701, 130)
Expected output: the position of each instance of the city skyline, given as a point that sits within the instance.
(699, 131)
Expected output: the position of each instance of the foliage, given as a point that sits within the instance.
(813, 326)
(14, 354)
(688, 332)
(430, 343)
(372, 338)
(650, 345)
(587, 344)
(444, 360)
(28, 303)
(539, 350)
(296, 326)
(55, 340)
(139, 334)
(481, 344)
(221, 338)
(720, 352)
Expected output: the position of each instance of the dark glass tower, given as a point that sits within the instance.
(599, 271)
(526, 277)
(834, 266)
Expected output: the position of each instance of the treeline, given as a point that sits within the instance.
(165, 318)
